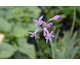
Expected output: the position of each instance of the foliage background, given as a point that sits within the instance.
(17, 21)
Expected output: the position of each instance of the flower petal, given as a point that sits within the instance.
(36, 36)
(44, 34)
(36, 24)
(35, 20)
(30, 32)
(51, 32)
(40, 18)
(48, 26)
(40, 23)
(32, 36)
(50, 39)
(36, 31)
(45, 29)
(50, 23)
(54, 18)
(46, 39)
(41, 29)
(52, 36)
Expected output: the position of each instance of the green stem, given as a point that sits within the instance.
(74, 17)
(47, 21)
(52, 49)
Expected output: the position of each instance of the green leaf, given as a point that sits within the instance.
(19, 55)
(2, 13)
(17, 12)
(78, 8)
(26, 48)
(19, 31)
(34, 9)
(4, 25)
(6, 50)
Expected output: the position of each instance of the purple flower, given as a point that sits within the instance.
(38, 22)
(49, 35)
(34, 34)
(54, 18)
(44, 28)
(44, 32)
(49, 25)
(41, 29)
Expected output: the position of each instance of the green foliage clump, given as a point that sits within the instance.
(15, 25)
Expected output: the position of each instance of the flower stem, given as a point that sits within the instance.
(47, 21)
(74, 17)
(52, 49)
(72, 28)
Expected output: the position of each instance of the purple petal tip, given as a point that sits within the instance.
(55, 17)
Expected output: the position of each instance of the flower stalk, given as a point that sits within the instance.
(74, 17)
(52, 49)
(72, 28)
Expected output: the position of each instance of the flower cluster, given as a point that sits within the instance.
(44, 28)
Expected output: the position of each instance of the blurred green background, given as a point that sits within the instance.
(17, 21)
